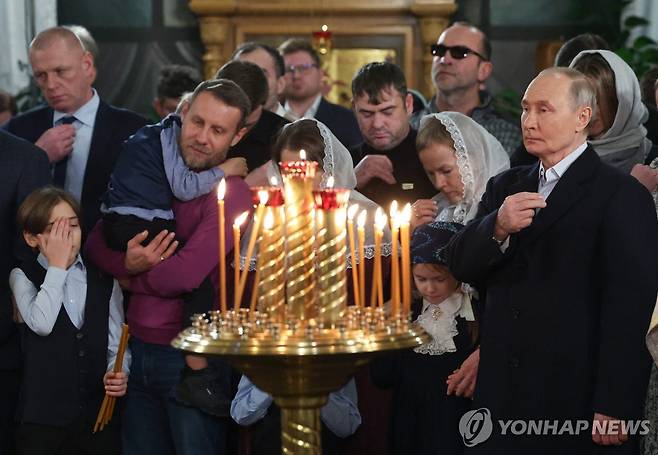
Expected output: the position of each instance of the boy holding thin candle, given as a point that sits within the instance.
(425, 418)
(73, 315)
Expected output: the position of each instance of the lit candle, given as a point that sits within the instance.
(361, 232)
(351, 212)
(266, 241)
(406, 259)
(395, 272)
(221, 191)
(377, 282)
(236, 257)
(252, 242)
(331, 280)
(300, 236)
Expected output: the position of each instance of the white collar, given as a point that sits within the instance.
(561, 167)
(43, 262)
(439, 321)
(86, 114)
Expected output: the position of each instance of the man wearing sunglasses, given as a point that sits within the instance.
(303, 92)
(460, 67)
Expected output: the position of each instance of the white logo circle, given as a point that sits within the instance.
(475, 426)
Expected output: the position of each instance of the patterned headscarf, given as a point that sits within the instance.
(429, 242)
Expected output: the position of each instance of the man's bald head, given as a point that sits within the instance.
(62, 68)
(52, 35)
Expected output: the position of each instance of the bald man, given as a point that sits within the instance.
(460, 67)
(566, 251)
(79, 132)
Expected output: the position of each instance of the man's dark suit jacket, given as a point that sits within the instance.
(256, 146)
(112, 127)
(23, 168)
(567, 305)
(341, 121)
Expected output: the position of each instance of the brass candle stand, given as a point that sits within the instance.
(297, 362)
(302, 349)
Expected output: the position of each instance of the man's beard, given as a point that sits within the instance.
(213, 159)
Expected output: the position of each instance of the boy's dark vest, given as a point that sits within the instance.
(63, 371)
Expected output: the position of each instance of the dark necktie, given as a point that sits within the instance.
(59, 175)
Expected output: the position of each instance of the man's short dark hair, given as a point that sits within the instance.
(251, 46)
(176, 80)
(577, 44)
(375, 77)
(298, 44)
(486, 44)
(227, 92)
(250, 77)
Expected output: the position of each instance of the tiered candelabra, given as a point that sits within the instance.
(299, 340)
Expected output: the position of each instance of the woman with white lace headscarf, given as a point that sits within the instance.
(333, 159)
(460, 157)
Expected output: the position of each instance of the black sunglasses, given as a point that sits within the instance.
(456, 52)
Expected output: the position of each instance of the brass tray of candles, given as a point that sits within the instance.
(359, 330)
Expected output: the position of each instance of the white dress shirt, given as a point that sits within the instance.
(85, 119)
(549, 178)
(40, 308)
(310, 112)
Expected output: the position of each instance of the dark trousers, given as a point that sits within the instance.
(119, 229)
(74, 439)
(9, 385)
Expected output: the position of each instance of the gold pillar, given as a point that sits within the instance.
(215, 31)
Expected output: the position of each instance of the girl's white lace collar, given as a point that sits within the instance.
(440, 322)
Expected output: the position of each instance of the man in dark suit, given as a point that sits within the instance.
(23, 168)
(567, 251)
(303, 92)
(79, 132)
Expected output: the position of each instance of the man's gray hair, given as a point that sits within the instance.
(581, 92)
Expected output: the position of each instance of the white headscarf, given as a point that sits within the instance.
(625, 143)
(337, 162)
(480, 156)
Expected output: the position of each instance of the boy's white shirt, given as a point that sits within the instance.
(39, 308)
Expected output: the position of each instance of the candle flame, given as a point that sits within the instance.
(394, 209)
(351, 212)
(274, 181)
(221, 190)
(330, 182)
(406, 214)
(268, 222)
(241, 219)
(263, 196)
(380, 219)
(302, 155)
(325, 28)
(361, 220)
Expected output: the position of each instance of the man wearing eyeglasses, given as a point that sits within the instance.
(461, 66)
(303, 92)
